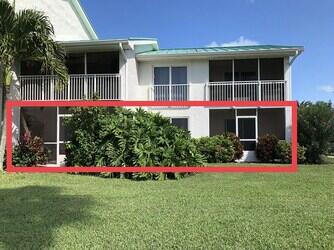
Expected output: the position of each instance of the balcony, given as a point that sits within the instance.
(266, 90)
(46, 87)
(171, 92)
(246, 91)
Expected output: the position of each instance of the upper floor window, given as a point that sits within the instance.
(75, 63)
(29, 67)
(272, 69)
(220, 70)
(170, 75)
(246, 69)
(102, 63)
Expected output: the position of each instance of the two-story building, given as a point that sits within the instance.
(137, 69)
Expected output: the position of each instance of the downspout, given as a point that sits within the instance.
(126, 71)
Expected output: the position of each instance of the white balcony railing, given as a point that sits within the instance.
(101, 86)
(172, 92)
(246, 91)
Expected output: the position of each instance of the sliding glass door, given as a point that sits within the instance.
(170, 83)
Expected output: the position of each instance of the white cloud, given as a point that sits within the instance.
(327, 88)
(241, 41)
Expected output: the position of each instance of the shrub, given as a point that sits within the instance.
(238, 147)
(29, 152)
(266, 148)
(331, 148)
(216, 149)
(315, 129)
(301, 154)
(125, 137)
(283, 152)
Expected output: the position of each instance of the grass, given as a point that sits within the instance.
(210, 211)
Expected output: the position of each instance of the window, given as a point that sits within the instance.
(220, 71)
(75, 63)
(161, 76)
(103, 63)
(272, 69)
(247, 132)
(179, 75)
(229, 126)
(31, 68)
(246, 70)
(246, 128)
(180, 122)
(170, 75)
(170, 83)
(42, 122)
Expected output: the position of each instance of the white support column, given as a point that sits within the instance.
(288, 96)
(58, 161)
(85, 80)
(287, 79)
(42, 87)
(232, 79)
(257, 124)
(259, 78)
(123, 71)
(68, 89)
(236, 122)
(170, 83)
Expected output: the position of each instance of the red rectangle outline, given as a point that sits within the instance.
(290, 168)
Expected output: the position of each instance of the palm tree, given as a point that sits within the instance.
(25, 35)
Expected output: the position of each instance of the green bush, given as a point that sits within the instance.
(331, 148)
(216, 149)
(315, 129)
(301, 154)
(266, 148)
(283, 152)
(125, 137)
(238, 147)
(29, 152)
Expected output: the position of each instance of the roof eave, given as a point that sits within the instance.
(93, 45)
(84, 19)
(286, 52)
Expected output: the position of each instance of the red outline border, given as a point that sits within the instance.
(291, 168)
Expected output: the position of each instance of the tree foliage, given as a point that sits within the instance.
(217, 149)
(29, 152)
(124, 137)
(266, 148)
(315, 129)
(284, 155)
(26, 35)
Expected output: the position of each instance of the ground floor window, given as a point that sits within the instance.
(248, 124)
(180, 122)
(48, 124)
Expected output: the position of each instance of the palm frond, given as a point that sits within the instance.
(34, 21)
(35, 41)
(7, 17)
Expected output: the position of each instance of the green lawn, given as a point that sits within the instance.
(214, 211)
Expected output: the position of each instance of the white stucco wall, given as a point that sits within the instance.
(62, 14)
(197, 76)
(288, 111)
(198, 118)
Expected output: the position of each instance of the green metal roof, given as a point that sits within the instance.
(221, 50)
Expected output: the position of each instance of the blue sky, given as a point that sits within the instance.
(198, 23)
